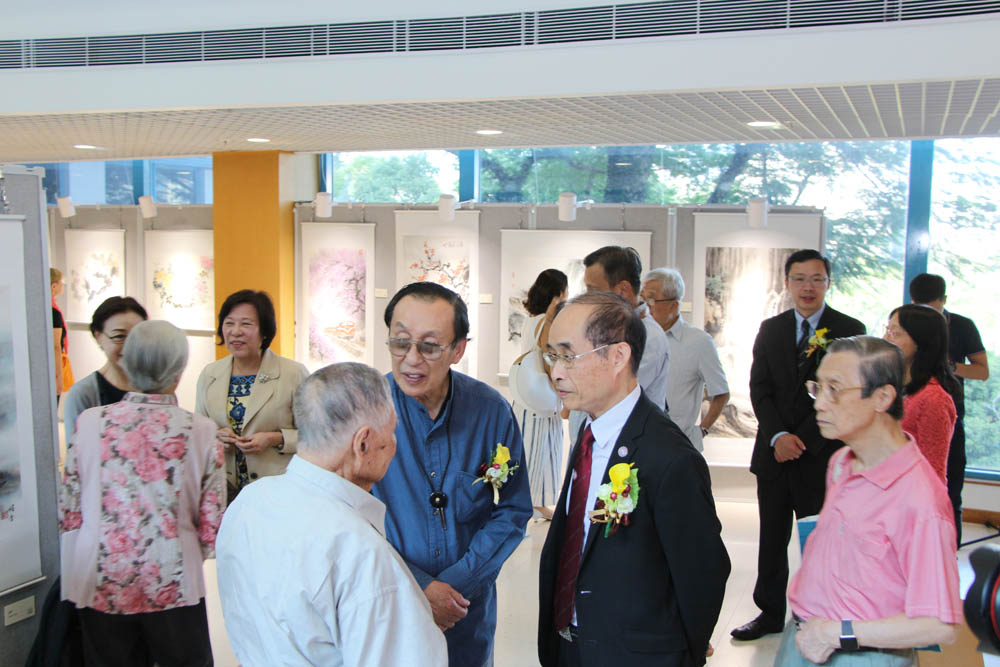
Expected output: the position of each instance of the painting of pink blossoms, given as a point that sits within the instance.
(337, 282)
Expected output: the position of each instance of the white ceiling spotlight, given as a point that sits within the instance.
(258, 140)
(66, 208)
(489, 133)
(89, 147)
(323, 205)
(765, 124)
(147, 207)
(568, 205)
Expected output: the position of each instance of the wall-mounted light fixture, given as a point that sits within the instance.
(147, 207)
(757, 209)
(447, 205)
(66, 208)
(568, 205)
(323, 205)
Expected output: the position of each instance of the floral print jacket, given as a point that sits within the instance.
(141, 502)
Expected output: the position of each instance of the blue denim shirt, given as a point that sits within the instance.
(480, 536)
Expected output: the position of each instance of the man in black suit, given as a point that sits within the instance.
(789, 454)
(649, 591)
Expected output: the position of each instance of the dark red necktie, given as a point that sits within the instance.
(572, 546)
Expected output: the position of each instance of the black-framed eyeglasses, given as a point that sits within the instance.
(833, 392)
(551, 358)
(400, 347)
(658, 300)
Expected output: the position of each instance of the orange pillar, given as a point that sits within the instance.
(255, 234)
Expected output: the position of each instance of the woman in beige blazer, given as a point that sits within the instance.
(248, 394)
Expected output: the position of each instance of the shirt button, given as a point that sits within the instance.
(253, 475)
(437, 552)
(433, 474)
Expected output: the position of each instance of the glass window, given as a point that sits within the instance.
(963, 231)
(403, 176)
(862, 187)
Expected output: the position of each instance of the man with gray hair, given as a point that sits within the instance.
(695, 369)
(306, 575)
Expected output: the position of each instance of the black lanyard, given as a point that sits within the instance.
(438, 498)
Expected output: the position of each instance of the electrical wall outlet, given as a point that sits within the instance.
(19, 611)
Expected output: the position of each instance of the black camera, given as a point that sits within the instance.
(982, 609)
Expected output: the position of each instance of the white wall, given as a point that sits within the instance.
(921, 50)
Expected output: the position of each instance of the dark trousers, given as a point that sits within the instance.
(172, 638)
(956, 474)
(776, 504)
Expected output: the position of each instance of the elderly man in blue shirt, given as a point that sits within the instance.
(453, 521)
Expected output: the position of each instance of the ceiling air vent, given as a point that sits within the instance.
(576, 25)
(371, 37)
(498, 30)
(11, 56)
(299, 41)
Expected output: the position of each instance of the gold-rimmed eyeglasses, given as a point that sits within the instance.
(833, 392)
(569, 359)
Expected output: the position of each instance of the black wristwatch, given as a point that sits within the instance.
(848, 642)
(704, 431)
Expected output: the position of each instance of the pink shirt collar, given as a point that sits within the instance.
(887, 472)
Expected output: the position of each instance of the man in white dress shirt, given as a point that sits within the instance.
(306, 575)
(695, 369)
(618, 270)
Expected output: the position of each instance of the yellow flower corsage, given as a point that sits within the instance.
(618, 499)
(818, 341)
(496, 471)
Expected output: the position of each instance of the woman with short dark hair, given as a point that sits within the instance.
(248, 393)
(110, 326)
(929, 413)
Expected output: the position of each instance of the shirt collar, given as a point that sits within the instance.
(677, 330)
(150, 399)
(331, 484)
(887, 472)
(813, 319)
(411, 404)
(608, 426)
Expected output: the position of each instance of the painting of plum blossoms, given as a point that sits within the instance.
(447, 253)
(94, 271)
(336, 266)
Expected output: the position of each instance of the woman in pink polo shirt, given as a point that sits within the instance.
(879, 576)
(931, 387)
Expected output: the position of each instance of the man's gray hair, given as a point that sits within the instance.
(881, 363)
(155, 355)
(671, 282)
(333, 403)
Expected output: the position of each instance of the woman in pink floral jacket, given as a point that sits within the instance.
(141, 502)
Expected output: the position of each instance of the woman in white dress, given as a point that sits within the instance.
(542, 431)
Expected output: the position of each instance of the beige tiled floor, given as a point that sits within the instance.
(518, 599)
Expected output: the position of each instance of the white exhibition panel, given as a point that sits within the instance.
(201, 352)
(336, 285)
(525, 253)
(94, 271)
(446, 253)
(746, 287)
(19, 529)
(179, 278)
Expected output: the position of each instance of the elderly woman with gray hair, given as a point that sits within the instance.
(139, 508)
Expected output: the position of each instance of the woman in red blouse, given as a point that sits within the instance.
(929, 406)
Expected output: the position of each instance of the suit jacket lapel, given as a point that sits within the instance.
(633, 428)
(263, 387)
(809, 368)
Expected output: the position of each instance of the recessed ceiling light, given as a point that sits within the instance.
(88, 147)
(766, 124)
(259, 140)
(489, 132)
(623, 164)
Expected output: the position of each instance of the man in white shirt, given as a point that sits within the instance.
(617, 269)
(306, 575)
(695, 368)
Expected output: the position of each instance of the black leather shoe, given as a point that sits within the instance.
(757, 628)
